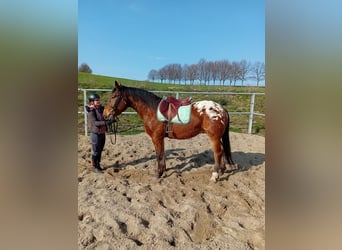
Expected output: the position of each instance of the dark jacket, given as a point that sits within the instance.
(96, 121)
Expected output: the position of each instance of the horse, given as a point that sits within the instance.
(206, 117)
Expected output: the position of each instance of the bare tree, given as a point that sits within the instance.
(258, 72)
(162, 74)
(173, 72)
(215, 70)
(235, 72)
(201, 68)
(168, 72)
(153, 75)
(185, 73)
(245, 68)
(224, 68)
(84, 68)
(177, 72)
(207, 72)
(192, 73)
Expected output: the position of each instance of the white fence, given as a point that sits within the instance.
(251, 112)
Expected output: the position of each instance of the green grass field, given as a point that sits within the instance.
(131, 124)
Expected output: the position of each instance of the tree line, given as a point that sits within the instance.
(210, 72)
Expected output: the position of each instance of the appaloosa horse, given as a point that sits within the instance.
(206, 117)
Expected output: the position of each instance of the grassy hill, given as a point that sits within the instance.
(133, 124)
(86, 80)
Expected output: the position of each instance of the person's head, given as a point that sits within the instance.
(94, 99)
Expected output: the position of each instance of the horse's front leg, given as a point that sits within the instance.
(159, 147)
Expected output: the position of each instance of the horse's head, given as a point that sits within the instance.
(116, 103)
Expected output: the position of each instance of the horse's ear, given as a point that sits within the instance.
(117, 85)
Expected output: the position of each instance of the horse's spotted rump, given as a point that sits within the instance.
(213, 110)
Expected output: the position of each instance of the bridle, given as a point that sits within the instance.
(117, 103)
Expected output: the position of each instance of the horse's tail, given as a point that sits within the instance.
(226, 144)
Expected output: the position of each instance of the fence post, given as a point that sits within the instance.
(251, 113)
(85, 112)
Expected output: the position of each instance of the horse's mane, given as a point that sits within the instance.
(149, 98)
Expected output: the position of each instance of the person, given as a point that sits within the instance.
(98, 128)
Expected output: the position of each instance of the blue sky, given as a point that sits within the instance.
(127, 39)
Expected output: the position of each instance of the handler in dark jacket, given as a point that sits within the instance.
(98, 127)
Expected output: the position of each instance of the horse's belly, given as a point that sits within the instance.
(184, 131)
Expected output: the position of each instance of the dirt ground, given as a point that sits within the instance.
(127, 207)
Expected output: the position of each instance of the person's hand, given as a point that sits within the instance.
(108, 123)
(89, 108)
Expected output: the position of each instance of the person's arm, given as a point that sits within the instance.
(94, 121)
(88, 108)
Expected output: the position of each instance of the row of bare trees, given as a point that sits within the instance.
(211, 72)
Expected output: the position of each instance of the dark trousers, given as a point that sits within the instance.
(97, 145)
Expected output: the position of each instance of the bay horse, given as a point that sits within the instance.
(206, 117)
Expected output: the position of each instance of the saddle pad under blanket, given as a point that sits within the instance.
(184, 114)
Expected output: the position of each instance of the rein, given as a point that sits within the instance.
(112, 129)
(114, 126)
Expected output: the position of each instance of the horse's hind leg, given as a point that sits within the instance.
(218, 156)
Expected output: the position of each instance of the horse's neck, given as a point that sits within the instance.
(140, 105)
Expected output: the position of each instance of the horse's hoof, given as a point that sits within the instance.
(234, 166)
(214, 177)
(222, 170)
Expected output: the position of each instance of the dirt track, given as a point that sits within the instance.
(127, 207)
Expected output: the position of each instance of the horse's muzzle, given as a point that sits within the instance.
(110, 117)
(107, 115)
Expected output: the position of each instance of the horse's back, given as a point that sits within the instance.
(206, 116)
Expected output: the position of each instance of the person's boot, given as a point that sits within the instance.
(93, 161)
(97, 168)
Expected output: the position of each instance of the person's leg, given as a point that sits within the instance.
(95, 152)
(101, 143)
